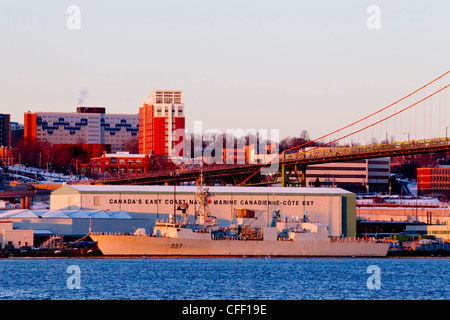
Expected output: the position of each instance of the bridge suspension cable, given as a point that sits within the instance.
(370, 115)
(384, 119)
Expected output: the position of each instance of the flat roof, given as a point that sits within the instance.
(123, 155)
(82, 114)
(81, 188)
(64, 214)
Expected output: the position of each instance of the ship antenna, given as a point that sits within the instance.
(203, 195)
(201, 178)
(174, 198)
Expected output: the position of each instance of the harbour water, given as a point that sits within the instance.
(233, 279)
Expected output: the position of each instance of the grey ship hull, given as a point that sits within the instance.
(133, 245)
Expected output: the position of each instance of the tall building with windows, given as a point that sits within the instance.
(5, 130)
(433, 181)
(16, 134)
(160, 116)
(363, 175)
(89, 125)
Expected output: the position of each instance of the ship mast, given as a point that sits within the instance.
(174, 199)
(203, 195)
(175, 196)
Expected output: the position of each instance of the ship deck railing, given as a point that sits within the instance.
(353, 240)
(120, 234)
(237, 238)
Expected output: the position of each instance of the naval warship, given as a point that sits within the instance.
(243, 237)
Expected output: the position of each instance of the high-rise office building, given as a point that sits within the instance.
(160, 117)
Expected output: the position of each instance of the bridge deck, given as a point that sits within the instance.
(303, 158)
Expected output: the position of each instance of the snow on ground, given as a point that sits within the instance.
(46, 176)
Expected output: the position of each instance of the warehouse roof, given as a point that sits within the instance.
(83, 188)
(66, 214)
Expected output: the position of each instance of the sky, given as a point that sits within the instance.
(284, 65)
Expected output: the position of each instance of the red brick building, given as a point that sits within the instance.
(120, 163)
(160, 115)
(433, 181)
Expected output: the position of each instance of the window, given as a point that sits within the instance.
(97, 201)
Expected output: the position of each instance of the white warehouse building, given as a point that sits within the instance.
(69, 222)
(332, 206)
(10, 236)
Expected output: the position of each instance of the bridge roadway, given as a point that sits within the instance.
(323, 155)
(238, 173)
(22, 194)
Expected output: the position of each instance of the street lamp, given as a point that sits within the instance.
(446, 140)
(446, 130)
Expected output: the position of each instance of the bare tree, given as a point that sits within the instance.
(132, 145)
(373, 140)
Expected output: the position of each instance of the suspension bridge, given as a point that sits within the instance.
(414, 124)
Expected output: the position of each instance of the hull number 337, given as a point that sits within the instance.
(176, 245)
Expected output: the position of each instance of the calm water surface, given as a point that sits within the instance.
(233, 279)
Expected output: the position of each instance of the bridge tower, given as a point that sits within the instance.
(293, 175)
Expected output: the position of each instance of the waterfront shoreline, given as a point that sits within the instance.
(221, 257)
